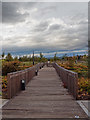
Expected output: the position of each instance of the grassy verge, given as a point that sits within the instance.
(81, 68)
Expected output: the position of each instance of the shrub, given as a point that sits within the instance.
(71, 63)
(9, 57)
(8, 67)
(4, 82)
(84, 85)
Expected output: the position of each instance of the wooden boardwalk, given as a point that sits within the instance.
(44, 97)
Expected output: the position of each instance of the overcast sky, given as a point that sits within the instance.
(45, 27)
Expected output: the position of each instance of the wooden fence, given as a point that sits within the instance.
(14, 79)
(69, 78)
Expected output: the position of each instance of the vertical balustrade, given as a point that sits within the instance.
(69, 78)
(14, 79)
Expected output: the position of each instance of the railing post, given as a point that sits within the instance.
(8, 86)
(76, 86)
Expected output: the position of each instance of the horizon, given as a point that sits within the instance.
(48, 56)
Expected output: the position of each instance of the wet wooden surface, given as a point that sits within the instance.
(44, 97)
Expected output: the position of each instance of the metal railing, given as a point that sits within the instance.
(14, 79)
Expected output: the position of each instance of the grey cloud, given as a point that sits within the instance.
(43, 25)
(83, 22)
(48, 9)
(10, 14)
(54, 27)
(44, 33)
(69, 38)
(0, 12)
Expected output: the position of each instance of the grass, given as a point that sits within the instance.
(26, 63)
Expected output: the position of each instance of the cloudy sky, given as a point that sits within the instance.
(47, 27)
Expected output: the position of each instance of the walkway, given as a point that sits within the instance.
(44, 97)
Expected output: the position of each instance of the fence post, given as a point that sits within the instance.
(8, 86)
(76, 86)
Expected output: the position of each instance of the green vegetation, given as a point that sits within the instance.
(78, 64)
(10, 64)
(8, 67)
(13, 64)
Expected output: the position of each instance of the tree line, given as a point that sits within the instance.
(24, 58)
(41, 58)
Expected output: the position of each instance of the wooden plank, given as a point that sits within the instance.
(44, 97)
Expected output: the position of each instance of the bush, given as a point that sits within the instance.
(8, 67)
(71, 63)
(4, 82)
(9, 57)
(84, 85)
